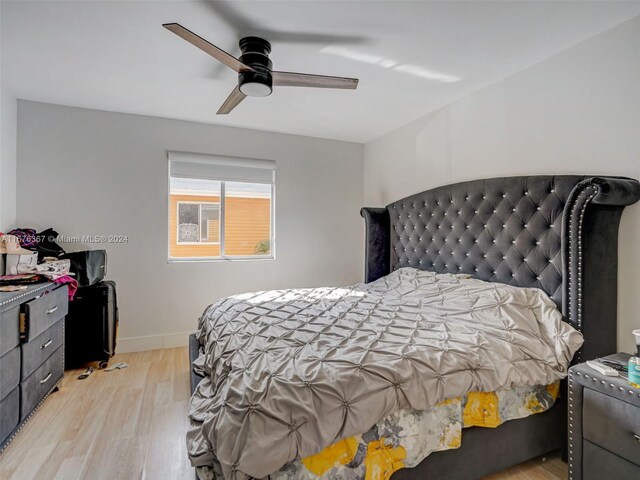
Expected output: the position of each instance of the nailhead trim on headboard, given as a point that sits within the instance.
(576, 251)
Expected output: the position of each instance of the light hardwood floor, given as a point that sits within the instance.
(130, 424)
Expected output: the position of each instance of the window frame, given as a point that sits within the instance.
(222, 257)
(187, 202)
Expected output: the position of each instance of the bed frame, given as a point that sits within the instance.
(557, 233)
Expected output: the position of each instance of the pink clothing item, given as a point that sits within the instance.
(71, 282)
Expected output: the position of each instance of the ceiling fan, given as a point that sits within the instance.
(255, 75)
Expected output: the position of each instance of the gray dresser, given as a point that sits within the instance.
(604, 426)
(31, 352)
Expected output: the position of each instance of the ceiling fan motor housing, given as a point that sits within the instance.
(255, 54)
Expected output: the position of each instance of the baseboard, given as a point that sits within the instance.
(152, 342)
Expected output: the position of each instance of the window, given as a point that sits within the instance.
(198, 222)
(220, 208)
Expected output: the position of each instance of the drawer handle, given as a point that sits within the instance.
(51, 310)
(46, 379)
(45, 345)
(637, 437)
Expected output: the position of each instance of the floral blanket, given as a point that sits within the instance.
(405, 438)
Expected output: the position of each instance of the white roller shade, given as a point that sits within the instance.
(210, 167)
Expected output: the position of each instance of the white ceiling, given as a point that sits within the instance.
(410, 57)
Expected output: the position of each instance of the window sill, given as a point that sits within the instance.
(260, 258)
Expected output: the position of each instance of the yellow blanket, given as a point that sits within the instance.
(406, 437)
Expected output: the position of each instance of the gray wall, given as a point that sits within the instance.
(577, 112)
(7, 161)
(7, 164)
(98, 173)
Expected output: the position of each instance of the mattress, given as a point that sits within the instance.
(406, 437)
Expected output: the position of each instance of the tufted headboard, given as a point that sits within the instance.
(556, 233)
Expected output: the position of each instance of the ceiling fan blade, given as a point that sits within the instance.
(291, 79)
(232, 101)
(217, 53)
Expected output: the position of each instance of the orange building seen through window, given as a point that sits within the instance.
(197, 211)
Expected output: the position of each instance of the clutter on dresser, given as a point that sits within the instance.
(24, 249)
(36, 254)
(26, 236)
(18, 259)
(21, 263)
(43, 243)
(47, 246)
(54, 267)
(92, 323)
(12, 288)
(21, 279)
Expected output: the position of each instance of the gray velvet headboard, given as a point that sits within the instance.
(557, 233)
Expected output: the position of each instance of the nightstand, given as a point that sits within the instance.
(604, 426)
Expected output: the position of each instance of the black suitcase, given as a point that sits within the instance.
(91, 326)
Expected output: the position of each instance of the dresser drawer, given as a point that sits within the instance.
(36, 386)
(38, 349)
(9, 329)
(600, 464)
(9, 412)
(611, 424)
(9, 371)
(44, 311)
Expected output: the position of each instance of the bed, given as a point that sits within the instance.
(554, 233)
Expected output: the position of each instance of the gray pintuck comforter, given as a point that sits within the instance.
(289, 372)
